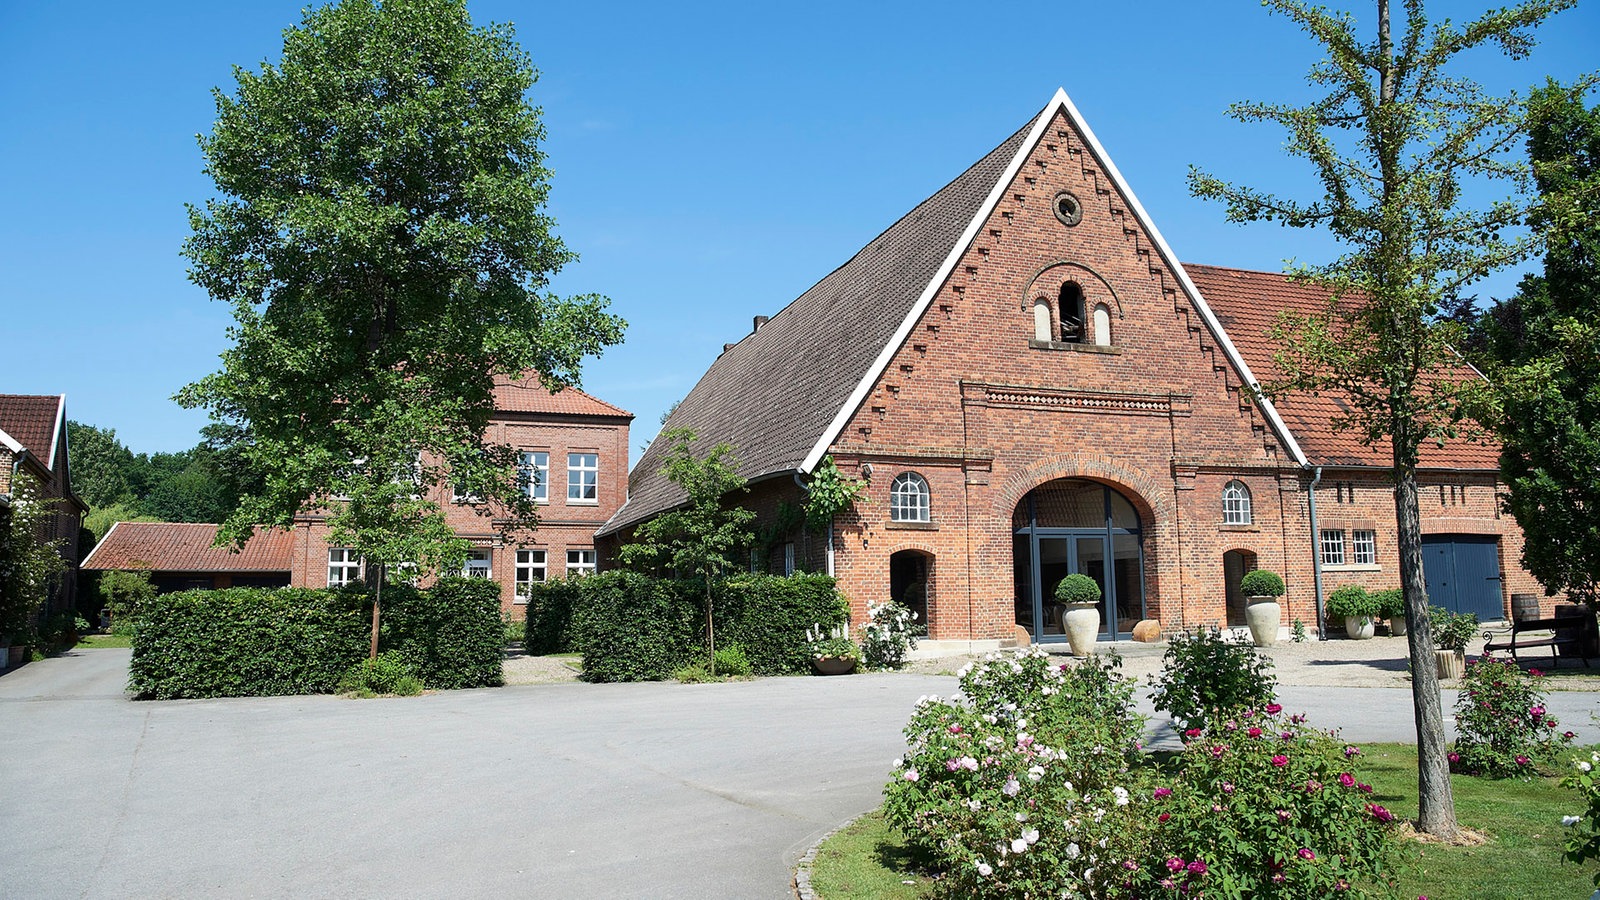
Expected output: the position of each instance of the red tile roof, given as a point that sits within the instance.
(32, 421)
(528, 395)
(186, 547)
(1247, 304)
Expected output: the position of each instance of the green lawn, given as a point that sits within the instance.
(1521, 861)
(106, 640)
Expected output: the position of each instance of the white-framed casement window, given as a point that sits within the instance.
(344, 566)
(583, 477)
(479, 564)
(530, 570)
(909, 499)
(580, 562)
(1332, 541)
(1236, 504)
(788, 558)
(533, 470)
(1364, 547)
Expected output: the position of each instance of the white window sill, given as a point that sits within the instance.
(571, 502)
(1352, 567)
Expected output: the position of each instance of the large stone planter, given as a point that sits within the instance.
(1263, 615)
(1082, 625)
(833, 665)
(1360, 628)
(1397, 626)
(1450, 663)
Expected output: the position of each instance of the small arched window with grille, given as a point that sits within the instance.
(909, 500)
(1236, 504)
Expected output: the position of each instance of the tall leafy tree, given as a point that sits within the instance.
(701, 536)
(1543, 348)
(1394, 140)
(100, 464)
(381, 235)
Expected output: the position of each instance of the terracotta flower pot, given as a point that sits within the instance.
(1263, 615)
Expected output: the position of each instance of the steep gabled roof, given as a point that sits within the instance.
(1248, 304)
(186, 547)
(528, 395)
(774, 394)
(34, 423)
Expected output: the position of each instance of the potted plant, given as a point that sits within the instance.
(1451, 634)
(1261, 590)
(1358, 609)
(1081, 595)
(1392, 606)
(832, 654)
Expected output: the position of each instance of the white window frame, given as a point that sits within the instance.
(344, 566)
(533, 467)
(1236, 504)
(530, 563)
(580, 561)
(1331, 546)
(583, 477)
(479, 564)
(1364, 547)
(910, 499)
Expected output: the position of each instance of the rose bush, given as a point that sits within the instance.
(1584, 842)
(1502, 726)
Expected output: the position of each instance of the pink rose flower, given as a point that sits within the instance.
(1306, 853)
(1280, 761)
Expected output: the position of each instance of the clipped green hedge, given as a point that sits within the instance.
(243, 642)
(549, 625)
(450, 634)
(768, 615)
(632, 627)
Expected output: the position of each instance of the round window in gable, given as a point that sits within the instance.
(1068, 209)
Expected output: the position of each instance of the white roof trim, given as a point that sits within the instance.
(9, 442)
(1059, 102)
(109, 532)
(55, 434)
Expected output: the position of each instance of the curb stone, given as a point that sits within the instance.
(802, 869)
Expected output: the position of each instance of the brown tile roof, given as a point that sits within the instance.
(774, 393)
(528, 395)
(32, 422)
(186, 547)
(1247, 304)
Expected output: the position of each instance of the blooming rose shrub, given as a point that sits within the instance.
(1263, 806)
(1019, 786)
(1502, 727)
(1584, 842)
(888, 634)
(1204, 674)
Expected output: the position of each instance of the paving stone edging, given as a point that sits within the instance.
(802, 869)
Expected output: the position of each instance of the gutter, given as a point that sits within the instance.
(1316, 552)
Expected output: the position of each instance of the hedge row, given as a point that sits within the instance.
(243, 642)
(632, 627)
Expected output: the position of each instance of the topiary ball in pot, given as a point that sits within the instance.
(1082, 619)
(1261, 583)
(1078, 589)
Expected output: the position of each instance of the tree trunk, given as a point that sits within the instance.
(1436, 805)
(377, 598)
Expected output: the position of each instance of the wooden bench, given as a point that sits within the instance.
(1565, 631)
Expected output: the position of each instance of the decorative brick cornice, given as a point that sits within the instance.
(1017, 396)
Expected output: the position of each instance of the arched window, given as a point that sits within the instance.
(908, 499)
(1102, 325)
(1072, 318)
(1236, 504)
(1041, 319)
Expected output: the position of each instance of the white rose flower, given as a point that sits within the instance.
(1031, 835)
(1019, 846)
(1121, 794)
(1583, 766)
(1570, 821)
(985, 869)
(1072, 851)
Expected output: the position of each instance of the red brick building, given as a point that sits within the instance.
(33, 445)
(574, 449)
(1031, 384)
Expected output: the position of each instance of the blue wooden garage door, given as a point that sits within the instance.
(1463, 574)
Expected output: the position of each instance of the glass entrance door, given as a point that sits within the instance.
(1097, 519)
(1043, 560)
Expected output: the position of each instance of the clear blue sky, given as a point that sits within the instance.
(712, 161)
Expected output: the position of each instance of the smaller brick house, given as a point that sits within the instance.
(180, 557)
(33, 445)
(574, 453)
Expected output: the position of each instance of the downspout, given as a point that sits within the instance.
(1316, 552)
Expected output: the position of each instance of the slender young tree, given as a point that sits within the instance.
(1543, 355)
(1394, 140)
(699, 537)
(381, 235)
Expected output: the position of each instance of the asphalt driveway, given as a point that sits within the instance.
(576, 790)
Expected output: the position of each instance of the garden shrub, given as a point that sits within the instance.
(1502, 726)
(1391, 603)
(731, 661)
(1583, 844)
(768, 616)
(1078, 588)
(1204, 674)
(631, 627)
(1017, 787)
(450, 634)
(888, 634)
(548, 628)
(122, 594)
(1261, 805)
(388, 674)
(1261, 583)
(242, 642)
(1352, 601)
(1451, 630)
